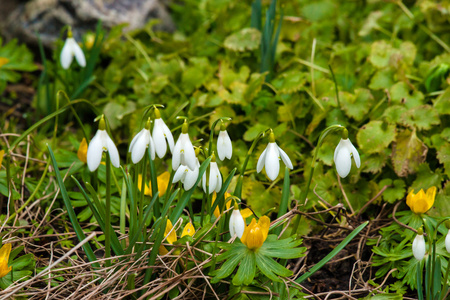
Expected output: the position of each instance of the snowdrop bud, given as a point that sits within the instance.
(447, 241)
(224, 146)
(215, 178)
(418, 246)
(237, 223)
(343, 155)
(69, 50)
(270, 159)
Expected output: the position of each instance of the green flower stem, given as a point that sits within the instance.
(285, 193)
(142, 194)
(304, 194)
(108, 211)
(154, 187)
(238, 189)
(123, 208)
(335, 87)
(13, 215)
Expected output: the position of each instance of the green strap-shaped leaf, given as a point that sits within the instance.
(72, 216)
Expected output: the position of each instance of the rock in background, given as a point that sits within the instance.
(22, 20)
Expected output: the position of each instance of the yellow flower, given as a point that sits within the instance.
(3, 61)
(172, 237)
(4, 257)
(217, 210)
(421, 202)
(82, 151)
(256, 233)
(163, 181)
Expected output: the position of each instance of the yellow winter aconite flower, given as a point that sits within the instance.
(256, 233)
(163, 182)
(82, 151)
(4, 257)
(421, 202)
(217, 211)
(172, 237)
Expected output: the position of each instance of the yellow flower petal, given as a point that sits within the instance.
(162, 250)
(4, 257)
(163, 182)
(188, 230)
(82, 151)
(2, 153)
(246, 212)
(172, 237)
(147, 190)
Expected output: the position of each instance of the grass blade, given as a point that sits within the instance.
(284, 199)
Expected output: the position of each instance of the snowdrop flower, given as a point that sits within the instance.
(447, 241)
(69, 50)
(418, 245)
(183, 152)
(186, 175)
(140, 142)
(215, 178)
(160, 133)
(343, 155)
(99, 143)
(224, 147)
(237, 223)
(270, 159)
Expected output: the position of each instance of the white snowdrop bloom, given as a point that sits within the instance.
(161, 133)
(418, 245)
(69, 50)
(186, 175)
(224, 147)
(343, 156)
(270, 159)
(183, 152)
(99, 143)
(139, 144)
(447, 241)
(215, 178)
(237, 223)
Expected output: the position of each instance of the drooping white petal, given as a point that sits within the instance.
(190, 179)
(112, 151)
(176, 154)
(212, 176)
(152, 146)
(168, 135)
(94, 152)
(140, 145)
(66, 56)
(159, 139)
(204, 182)
(180, 174)
(285, 158)
(133, 141)
(355, 154)
(418, 247)
(189, 153)
(79, 55)
(224, 146)
(336, 151)
(272, 163)
(261, 161)
(447, 241)
(237, 224)
(215, 178)
(343, 162)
